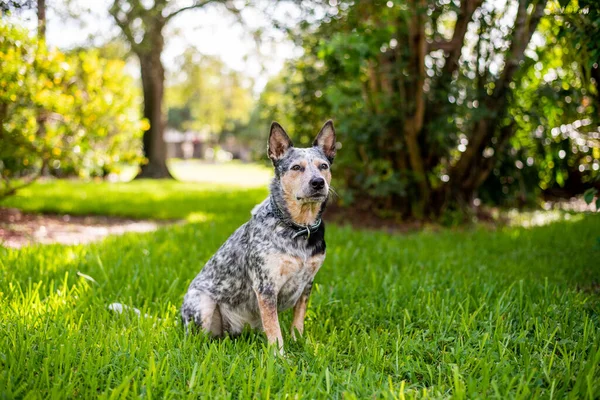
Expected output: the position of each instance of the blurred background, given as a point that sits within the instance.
(444, 109)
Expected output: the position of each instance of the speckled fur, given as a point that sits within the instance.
(261, 269)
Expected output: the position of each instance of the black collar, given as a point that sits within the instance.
(300, 229)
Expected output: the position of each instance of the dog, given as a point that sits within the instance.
(268, 264)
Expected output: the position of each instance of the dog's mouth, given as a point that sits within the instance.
(314, 198)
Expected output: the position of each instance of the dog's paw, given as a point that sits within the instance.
(296, 333)
(276, 349)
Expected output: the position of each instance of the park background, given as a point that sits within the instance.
(463, 235)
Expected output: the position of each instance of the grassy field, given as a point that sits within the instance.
(230, 173)
(512, 313)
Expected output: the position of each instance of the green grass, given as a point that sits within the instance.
(228, 173)
(471, 314)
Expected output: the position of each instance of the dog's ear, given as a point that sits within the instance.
(325, 140)
(279, 142)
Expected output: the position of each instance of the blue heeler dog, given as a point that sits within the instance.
(269, 263)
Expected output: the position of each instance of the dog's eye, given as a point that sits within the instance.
(324, 166)
(296, 168)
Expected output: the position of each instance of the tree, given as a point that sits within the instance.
(423, 90)
(142, 27)
(555, 151)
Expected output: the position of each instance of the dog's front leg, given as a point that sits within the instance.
(267, 303)
(300, 311)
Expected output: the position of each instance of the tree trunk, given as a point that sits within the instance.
(41, 16)
(41, 115)
(415, 119)
(155, 149)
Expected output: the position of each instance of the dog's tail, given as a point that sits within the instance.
(120, 308)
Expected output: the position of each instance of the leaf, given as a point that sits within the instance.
(588, 195)
(564, 3)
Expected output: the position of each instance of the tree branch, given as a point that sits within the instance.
(477, 179)
(446, 45)
(196, 4)
(485, 128)
(31, 179)
(453, 48)
(22, 143)
(522, 33)
(125, 24)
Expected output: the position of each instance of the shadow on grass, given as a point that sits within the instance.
(143, 199)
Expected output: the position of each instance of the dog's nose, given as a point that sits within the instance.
(317, 183)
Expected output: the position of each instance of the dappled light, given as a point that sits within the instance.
(21, 229)
(222, 174)
(540, 218)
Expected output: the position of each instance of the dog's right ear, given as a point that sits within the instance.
(279, 142)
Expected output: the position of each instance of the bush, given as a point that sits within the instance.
(62, 113)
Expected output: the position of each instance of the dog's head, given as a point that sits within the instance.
(303, 173)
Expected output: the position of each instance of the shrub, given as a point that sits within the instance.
(62, 113)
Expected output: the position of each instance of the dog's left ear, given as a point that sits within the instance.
(326, 140)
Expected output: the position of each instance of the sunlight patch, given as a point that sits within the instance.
(530, 219)
(196, 217)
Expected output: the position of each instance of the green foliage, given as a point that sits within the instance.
(589, 195)
(208, 97)
(68, 113)
(582, 24)
(274, 104)
(510, 313)
(556, 148)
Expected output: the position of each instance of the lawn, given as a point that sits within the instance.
(232, 173)
(473, 313)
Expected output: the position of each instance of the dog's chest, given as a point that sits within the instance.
(291, 274)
